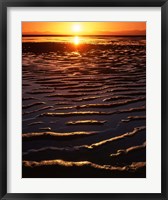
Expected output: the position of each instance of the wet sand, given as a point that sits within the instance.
(84, 108)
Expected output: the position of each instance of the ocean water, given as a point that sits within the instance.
(84, 107)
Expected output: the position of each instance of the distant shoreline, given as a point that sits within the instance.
(24, 35)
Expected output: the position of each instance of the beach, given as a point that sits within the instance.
(84, 107)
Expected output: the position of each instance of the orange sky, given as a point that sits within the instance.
(84, 28)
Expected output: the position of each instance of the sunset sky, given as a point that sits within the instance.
(84, 28)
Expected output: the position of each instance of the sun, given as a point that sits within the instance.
(76, 28)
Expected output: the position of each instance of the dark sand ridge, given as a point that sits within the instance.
(86, 169)
(48, 135)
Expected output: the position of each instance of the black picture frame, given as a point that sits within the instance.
(4, 4)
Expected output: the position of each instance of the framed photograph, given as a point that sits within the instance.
(83, 99)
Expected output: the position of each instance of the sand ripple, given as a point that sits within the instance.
(83, 112)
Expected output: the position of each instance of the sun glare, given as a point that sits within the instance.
(76, 40)
(76, 28)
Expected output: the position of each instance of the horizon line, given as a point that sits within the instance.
(57, 35)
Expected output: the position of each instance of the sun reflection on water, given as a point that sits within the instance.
(76, 40)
